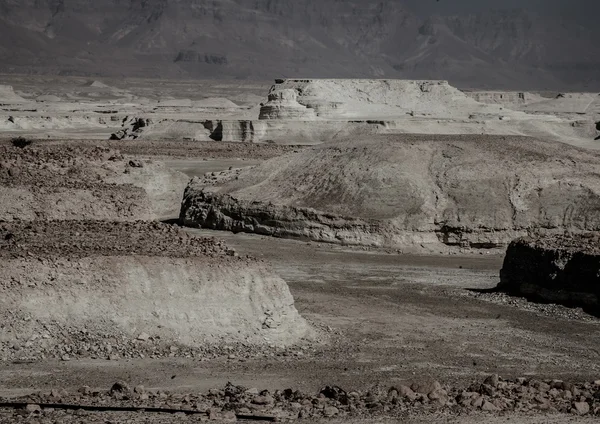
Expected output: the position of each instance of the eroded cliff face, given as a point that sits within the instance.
(399, 191)
(560, 269)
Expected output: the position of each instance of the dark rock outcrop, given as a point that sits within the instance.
(559, 269)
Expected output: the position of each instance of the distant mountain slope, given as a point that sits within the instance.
(281, 38)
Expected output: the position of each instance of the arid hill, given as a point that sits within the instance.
(402, 190)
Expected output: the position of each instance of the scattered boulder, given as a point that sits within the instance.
(581, 408)
(8, 95)
(236, 401)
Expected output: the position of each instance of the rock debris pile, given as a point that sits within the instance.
(79, 239)
(47, 181)
(493, 395)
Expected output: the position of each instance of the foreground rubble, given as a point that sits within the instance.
(493, 395)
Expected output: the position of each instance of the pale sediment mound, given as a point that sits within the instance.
(558, 269)
(97, 84)
(8, 95)
(398, 191)
(367, 98)
(58, 182)
(92, 288)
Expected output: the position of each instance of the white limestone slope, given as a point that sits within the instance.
(369, 99)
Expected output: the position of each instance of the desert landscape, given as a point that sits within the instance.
(203, 239)
(351, 270)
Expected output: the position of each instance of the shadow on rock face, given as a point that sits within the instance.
(562, 269)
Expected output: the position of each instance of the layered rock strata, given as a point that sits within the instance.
(398, 191)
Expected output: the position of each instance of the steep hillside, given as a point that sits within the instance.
(278, 38)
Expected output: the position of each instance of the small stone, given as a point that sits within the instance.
(228, 416)
(252, 391)
(120, 387)
(489, 407)
(85, 390)
(581, 408)
(439, 397)
(541, 386)
(330, 411)
(478, 402)
(407, 392)
(139, 389)
(214, 414)
(33, 408)
(492, 380)
(143, 337)
(263, 400)
(425, 386)
(65, 358)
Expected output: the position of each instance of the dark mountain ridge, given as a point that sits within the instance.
(264, 39)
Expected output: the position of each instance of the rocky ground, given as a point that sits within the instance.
(492, 395)
(160, 150)
(204, 150)
(51, 181)
(47, 239)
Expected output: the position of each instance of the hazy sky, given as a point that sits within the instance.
(584, 11)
